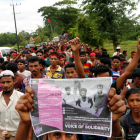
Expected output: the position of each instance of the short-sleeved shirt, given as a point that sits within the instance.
(58, 74)
(9, 117)
(130, 126)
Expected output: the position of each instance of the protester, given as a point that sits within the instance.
(131, 121)
(54, 70)
(8, 98)
(118, 51)
(21, 68)
(18, 77)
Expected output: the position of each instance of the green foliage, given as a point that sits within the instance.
(61, 19)
(7, 38)
(110, 16)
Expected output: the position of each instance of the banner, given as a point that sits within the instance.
(71, 105)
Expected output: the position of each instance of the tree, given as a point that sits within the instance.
(60, 19)
(114, 18)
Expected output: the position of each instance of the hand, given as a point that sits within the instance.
(75, 44)
(116, 104)
(25, 104)
(138, 45)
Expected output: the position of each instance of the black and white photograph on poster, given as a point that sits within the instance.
(82, 109)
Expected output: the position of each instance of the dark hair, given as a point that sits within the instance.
(39, 51)
(45, 50)
(50, 48)
(136, 73)
(125, 64)
(83, 53)
(61, 56)
(124, 52)
(132, 91)
(33, 59)
(55, 54)
(92, 69)
(102, 69)
(3, 65)
(21, 61)
(88, 53)
(42, 62)
(116, 57)
(8, 55)
(35, 48)
(105, 60)
(1, 59)
(70, 65)
(12, 66)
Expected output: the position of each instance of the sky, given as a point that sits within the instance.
(27, 17)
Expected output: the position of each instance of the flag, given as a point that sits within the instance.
(48, 20)
(38, 37)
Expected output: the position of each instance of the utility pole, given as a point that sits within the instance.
(15, 21)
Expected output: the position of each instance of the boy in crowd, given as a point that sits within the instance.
(21, 68)
(86, 64)
(54, 70)
(39, 53)
(131, 121)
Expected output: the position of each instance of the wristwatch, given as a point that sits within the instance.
(121, 137)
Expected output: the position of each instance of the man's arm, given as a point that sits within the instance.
(76, 45)
(24, 105)
(122, 79)
(118, 108)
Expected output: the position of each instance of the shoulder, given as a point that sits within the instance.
(123, 119)
(18, 93)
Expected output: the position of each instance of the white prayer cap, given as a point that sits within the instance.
(6, 73)
(118, 48)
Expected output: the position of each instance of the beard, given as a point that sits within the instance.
(7, 91)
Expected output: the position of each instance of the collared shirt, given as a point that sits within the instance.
(130, 126)
(26, 81)
(58, 74)
(9, 117)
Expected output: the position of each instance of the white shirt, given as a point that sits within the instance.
(26, 73)
(9, 117)
(115, 53)
(138, 137)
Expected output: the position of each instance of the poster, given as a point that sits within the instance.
(72, 106)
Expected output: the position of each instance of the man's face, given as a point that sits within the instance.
(7, 84)
(50, 51)
(87, 56)
(90, 74)
(83, 59)
(68, 91)
(92, 57)
(21, 66)
(40, 55)
(83, 94)
(61, 136)
(61, 62)
(14, 56)
(28, 55)
(125, 54)
(134, 102)
(99, 89)
(53, 60)
(137, 82)
(34, 68)
(8, 58)
(116, 63)
(70, 73)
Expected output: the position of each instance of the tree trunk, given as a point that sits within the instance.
(114, 46)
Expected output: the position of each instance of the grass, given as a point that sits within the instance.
(129, 46)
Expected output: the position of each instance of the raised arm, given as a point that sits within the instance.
(122, 79)
(24, 105)
(76, 45)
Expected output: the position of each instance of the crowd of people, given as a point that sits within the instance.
(69, 59)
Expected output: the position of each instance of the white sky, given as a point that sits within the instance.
(28, 19)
